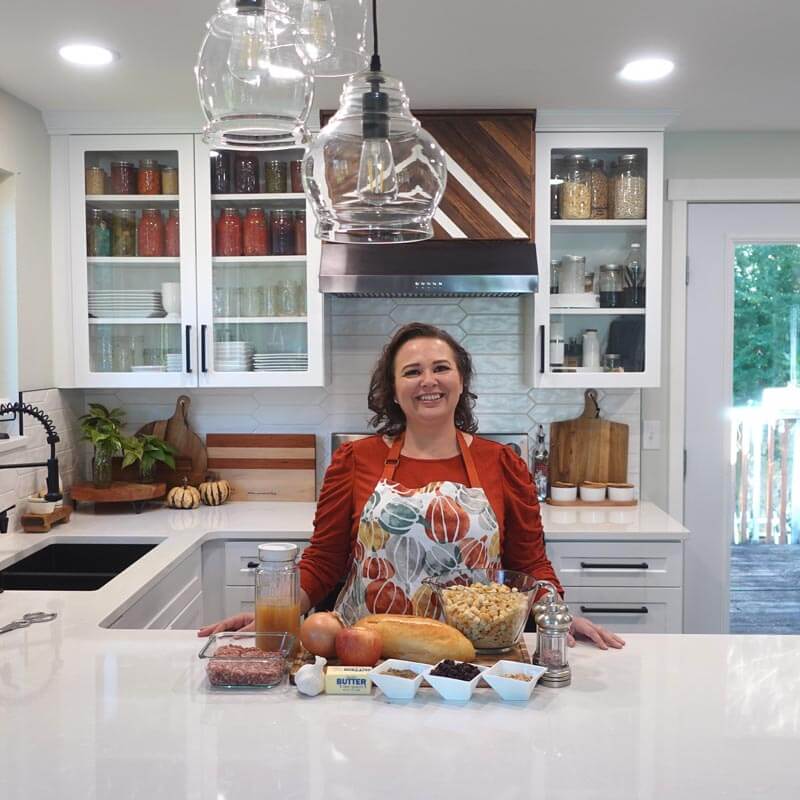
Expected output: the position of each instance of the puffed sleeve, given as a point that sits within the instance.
(523, 539)
(325, 560)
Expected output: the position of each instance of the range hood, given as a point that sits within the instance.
(436, 268)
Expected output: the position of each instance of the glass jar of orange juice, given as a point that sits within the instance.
(277, 591)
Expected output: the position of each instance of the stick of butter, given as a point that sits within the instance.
(348, 680)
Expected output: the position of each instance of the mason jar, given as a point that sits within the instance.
(630, 188)
(576, 190)
(277, 591)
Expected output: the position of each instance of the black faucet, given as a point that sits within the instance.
(52, 438)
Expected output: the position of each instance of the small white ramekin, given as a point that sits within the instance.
(593, 494)
(563, 494)
(621, 493)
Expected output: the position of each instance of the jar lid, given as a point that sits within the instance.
(169, 169)
(230, 210)
(576, 259)
(576, 158)
(611, 267)
(122, 163)
(629, 157)
(255, 208)
(277, 551)
(589, 330)
(148, 162)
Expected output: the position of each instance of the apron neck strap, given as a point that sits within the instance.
(393, 459)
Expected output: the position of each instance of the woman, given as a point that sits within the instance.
(423, 496)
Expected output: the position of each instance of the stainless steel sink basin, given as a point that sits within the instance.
(71, 567)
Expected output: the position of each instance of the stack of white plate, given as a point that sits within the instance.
(174, 362)
(134, 303)
(280, 362)
(233, 356)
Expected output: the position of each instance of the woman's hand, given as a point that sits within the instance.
(238, 622)
(597, 633)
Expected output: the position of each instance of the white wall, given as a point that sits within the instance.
(25, 152)
(705, 155)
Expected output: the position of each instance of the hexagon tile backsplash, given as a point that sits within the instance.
(490, 328)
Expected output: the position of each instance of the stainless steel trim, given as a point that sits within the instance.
(428, 286)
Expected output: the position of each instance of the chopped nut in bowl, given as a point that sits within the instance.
(489, 606)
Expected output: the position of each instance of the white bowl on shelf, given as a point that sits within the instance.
(621, 492)
(395, 688)
(593, 494)
(512, 689)
(564, 494)
(38, 505)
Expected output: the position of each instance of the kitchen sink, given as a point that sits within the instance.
(71, 567)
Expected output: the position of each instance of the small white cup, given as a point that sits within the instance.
(621, 492)
(563, 494)
(171, 297)
(593, 494)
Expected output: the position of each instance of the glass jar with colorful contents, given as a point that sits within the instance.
(123, 233)
(282, 225)
(246, 173)
(296, 175)
(98, 233)
(95, 180)
(275, 176)
(151, 234)
(172, 234)
(123, 177)
(255, 234)
(576, 193)
(169, 180)
(148, 177)
(221, 172)
(229, 233)
(300, 233)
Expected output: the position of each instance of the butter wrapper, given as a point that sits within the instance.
(348, 680)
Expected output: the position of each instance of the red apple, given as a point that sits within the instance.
(357, 647)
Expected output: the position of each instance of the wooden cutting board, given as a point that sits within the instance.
(265, 466)
(191, 461)
(589, 448)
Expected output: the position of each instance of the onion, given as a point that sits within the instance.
(318, 633)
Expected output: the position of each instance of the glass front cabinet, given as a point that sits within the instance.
(597, 314)
(191, 267)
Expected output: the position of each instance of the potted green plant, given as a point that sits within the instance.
(149, 450)
(103, 428)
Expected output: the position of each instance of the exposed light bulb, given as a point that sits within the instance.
(317, 31)
(248, 57)
(377, 178)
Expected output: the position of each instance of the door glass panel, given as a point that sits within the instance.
(133, 261)
(259, 288)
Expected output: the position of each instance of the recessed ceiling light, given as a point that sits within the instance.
(87, 55)
(647, 69)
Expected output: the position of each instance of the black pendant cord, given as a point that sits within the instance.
(375, 62)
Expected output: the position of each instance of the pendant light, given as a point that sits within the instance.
(254, 82)
(373, 175)
(332, 35)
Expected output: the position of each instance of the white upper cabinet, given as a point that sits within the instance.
(597, 313)
(154, 301)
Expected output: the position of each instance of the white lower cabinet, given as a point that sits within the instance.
(633, 586)
(174, 602)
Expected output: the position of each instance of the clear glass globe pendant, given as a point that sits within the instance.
(332, 34)
(253, 79)
(373, 175)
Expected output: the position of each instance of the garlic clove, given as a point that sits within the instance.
(310, 678)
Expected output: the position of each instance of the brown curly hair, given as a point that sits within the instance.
(389, 419)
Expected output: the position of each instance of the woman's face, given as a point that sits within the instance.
(427, 382)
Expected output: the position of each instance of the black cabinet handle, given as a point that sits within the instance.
(609, 610)
(203, 367)
(541, 349)
(589, 565)
(188, 348)
(252, 565)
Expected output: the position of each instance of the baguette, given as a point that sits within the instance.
(418, 638)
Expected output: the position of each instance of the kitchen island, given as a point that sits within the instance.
(88, 712)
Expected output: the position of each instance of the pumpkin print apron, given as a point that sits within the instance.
(407, 535)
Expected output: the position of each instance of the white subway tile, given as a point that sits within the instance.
(492, 323)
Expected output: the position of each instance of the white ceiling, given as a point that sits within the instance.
(737, 60)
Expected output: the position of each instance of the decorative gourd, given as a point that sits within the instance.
(215, 493)
(183, 496)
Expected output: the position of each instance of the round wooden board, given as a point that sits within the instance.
(118, 492)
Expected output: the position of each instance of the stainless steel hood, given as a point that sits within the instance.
(436, 268)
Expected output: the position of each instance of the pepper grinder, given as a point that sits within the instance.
(553, 621)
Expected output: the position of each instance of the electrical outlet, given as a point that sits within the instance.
(651, 434)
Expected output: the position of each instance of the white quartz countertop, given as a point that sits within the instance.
(96, 714)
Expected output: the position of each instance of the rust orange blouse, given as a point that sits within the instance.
(357, 466)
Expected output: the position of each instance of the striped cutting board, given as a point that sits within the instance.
(265, 466)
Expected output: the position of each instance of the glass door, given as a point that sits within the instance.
(260, 309)
(133, 252)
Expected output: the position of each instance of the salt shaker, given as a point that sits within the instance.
(553, 622)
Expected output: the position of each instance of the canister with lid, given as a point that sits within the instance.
(591, 349)
(571, 275)
(123, 177)
(277, 593)
(576, 192)
(611, 285)
(630, 188)
(556, 344)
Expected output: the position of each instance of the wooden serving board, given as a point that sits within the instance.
(265, 466)
(191, 461)
(517, 653)
(588, 448)
(598, 504)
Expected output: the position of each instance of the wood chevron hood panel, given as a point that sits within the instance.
(490, 172)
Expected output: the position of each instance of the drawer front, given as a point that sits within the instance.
(239, 599)
(617, 563)
(239, 554)
(629, 610)
(191, 617)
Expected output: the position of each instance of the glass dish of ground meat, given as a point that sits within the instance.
(247, 660)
